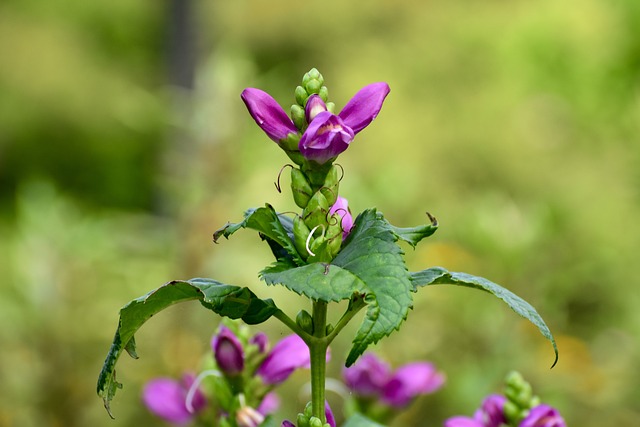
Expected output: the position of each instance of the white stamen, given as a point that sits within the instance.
(306, 245)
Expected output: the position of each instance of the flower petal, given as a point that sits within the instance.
(314, 106)
(491, 412)
(411, 380)
(341, 207)
(165, 397)
(364, 106)
(325, 138)
(268, 114)
(289, 354)
(543, 416)
(462, 422)
(368, 376)
(270, 403)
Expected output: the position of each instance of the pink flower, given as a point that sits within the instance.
(490, 414)
(166, 398)
(228, 352)
(329, 134)
(271, 118)
(289, 354)
(370, 377)
(341, 207)
(543, 416)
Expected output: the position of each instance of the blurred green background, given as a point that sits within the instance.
(124, 145)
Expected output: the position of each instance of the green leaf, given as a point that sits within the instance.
(414, 235)
(226, 300)
(372, 254)
(274, 227)
(359, 420)
(440, 276)
(370, 263)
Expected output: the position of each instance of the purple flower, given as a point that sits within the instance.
(368, 376)
(410, 381)
(543, 416)
(271, 118)
(289, 354)
(261, 341)
(328, 134)
(341, 207)
(166, 398)
(228, 352)
(270, 403)
(490, 414)
(371, 377)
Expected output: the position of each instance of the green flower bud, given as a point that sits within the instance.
(324, 93)
(329, 329)
(313, 86)
(300, 234)
(302, 420)
(315, 213)
(300, 188)
(331, 185)
(334, 235)
(511, 412)
(305, 321)
(331, 107)
(315, 422)
(301, 96)
(290, 143)
(308, 410)
(297, 115)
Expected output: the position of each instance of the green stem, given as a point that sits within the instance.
(281, 316)
(355, 305)
(318, 352)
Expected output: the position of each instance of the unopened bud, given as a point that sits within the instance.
(315, 213)
(249, 417)
(305, 321)
(331, 185)
(301, 96)
(300, 235)
(315, 422)
(297, 115)
(302, 420)
(300, 188)
(324, 93)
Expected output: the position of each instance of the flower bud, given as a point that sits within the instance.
(305, 321)
(331, 107)
(312, 81)
(300, 234)
(249, 417)
(301, 96)
(331, 185)
(302, 420)
(297, 115)
(315, 422)
(300, 188)
(320, 250)
(315, 213)
(228, 352)
(324, 93)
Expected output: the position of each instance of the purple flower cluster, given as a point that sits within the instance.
(327, 134)
(370, 377)
(491, 414)
(179, 401)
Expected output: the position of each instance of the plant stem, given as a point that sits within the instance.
(318, 353)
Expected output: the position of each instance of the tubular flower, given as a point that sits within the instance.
(228, 352)
(543, 416)
(329, 134)
(289, 354)
(490, 414)
(371, 377)
(268, 114)
(166, 398)
(341, 207)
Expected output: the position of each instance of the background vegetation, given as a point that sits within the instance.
(124, 145)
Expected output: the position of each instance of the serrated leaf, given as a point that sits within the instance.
(226, 300)
(440, 276)
(372, 254)
(370, 263)
(319, 281)
(359, 420)
(274, 227)
(414, 235)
